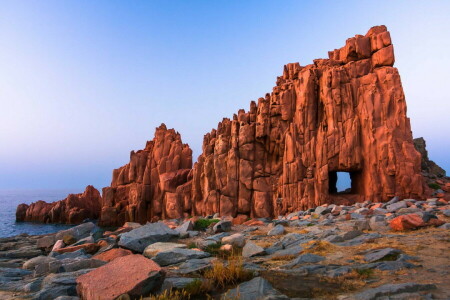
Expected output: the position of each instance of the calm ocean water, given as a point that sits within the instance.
(9, 199)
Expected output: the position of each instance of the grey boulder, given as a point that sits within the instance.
(138, 239)
(256, 289)
(178, 255)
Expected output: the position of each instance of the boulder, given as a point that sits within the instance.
(62, 284)
(112, 254)
(78, 232)
(255, 289)
(155, 248)
(277, 230)
(406, 222)
(177, 255)
(138, 239)
(307, 258)
(134, 275)
(236, 240)
(251, 249)
(382, 254)
(222, 226)
(194, 266)
(32, 263)
(89, 248)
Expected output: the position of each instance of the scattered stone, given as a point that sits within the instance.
(138, 239)
(392, 289)
(194, 266)
(62, 284)
(155, 248)
(304, 259)
(257, 288)
(295, 250)
(32, 263)
(382, 254)
(185, 227)
(322, 210)
(46, 242)
(177, 255)
(89, 248)
(396, 206)
(112, 254)
(78, 232)
(378, 223)
(251, 249)
(277, 230)
(406, 222)
(236, 240)
(445, 226)
(134, 275)
(59, 244)
(222, 226)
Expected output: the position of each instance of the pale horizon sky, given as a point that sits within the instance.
(82, 83)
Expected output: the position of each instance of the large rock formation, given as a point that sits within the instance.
(342, 114)
(146, 188)
(428, 166)
(73, 210)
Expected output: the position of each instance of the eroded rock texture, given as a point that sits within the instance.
(342, 114)
(152, 185)
(428, 166)
(73, 210)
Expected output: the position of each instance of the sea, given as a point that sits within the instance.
(9, 199)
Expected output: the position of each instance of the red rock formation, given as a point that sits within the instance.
(342, 114)
(146, 188)
(72, 210)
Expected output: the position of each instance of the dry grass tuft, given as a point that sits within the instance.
(170, 295)
(284, 257)
(263, 243)
(319, 247)
(232, 273)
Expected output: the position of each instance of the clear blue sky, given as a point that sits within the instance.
(82, 83)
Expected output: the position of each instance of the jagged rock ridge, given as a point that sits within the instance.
(428, 166)
(342, 114)
(73, 210)
(146, 188)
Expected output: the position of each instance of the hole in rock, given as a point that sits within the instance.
(340, 182)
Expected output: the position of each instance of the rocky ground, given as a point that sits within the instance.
(393, 250)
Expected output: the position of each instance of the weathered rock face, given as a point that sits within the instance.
(72, 210)
(150, 186)
(342, 114)
(428, 166)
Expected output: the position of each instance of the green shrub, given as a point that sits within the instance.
(192, 245)
(213, 249)
(364, 273)
(434, 186)
(202, 224)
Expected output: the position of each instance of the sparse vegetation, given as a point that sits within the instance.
(192, 245)
(213, 249)
(434, 186)
(227, 273)
(365, 273)
(202, 224)
(319, 247)
(170, 295)
(198, 287)
(284, 257)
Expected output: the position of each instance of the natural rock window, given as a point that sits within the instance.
(340, 182)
